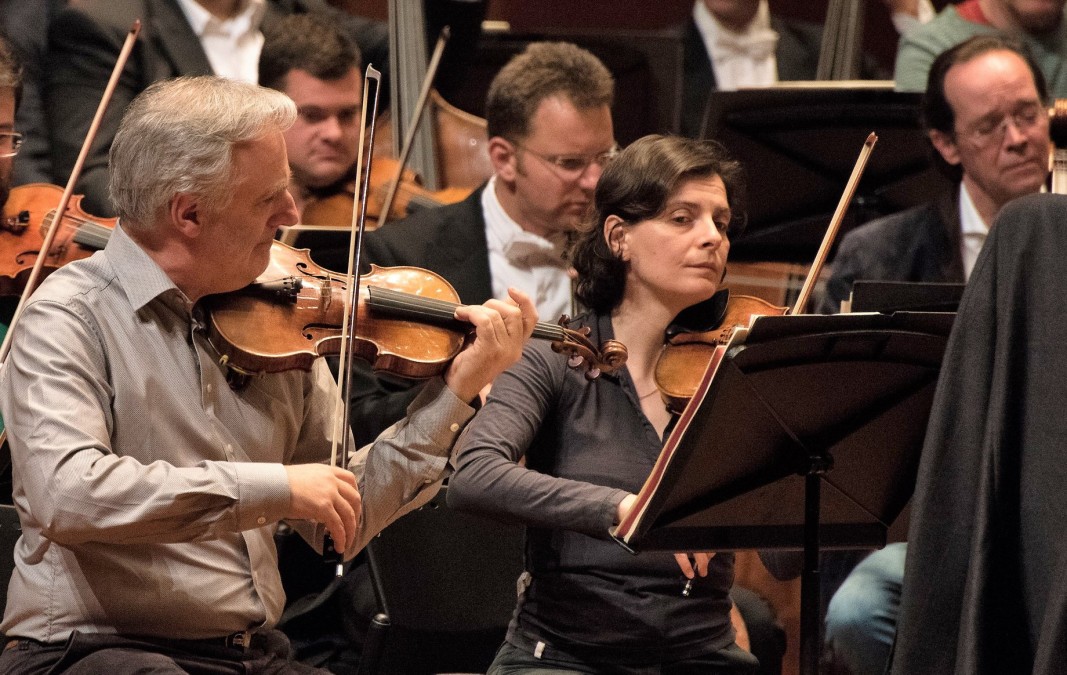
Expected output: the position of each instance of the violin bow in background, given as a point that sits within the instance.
(61, 208)
(409, 138)
(835, 223)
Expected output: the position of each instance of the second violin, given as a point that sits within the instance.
(29, 212)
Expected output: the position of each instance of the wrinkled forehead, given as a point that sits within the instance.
(988, 81)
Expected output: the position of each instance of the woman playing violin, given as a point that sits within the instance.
(656, 244)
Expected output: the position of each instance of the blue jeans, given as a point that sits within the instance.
(861, 621)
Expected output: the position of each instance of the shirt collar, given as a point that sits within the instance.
(249, 17)
(142, 279)
(970, 220)
(758, 34)
(520, 247)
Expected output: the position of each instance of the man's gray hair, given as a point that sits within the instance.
(177, 137)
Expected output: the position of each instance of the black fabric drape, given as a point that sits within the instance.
(985, 589)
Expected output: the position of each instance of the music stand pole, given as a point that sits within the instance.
(810, 601)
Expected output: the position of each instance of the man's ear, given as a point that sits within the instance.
(617, 237)
(945, 145)
(502, 155)
(186, 214)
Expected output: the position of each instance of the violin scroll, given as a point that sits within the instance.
(583, 353)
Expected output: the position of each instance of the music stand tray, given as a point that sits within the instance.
(790, 406)
(905, 296)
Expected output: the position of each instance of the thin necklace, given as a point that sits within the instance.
(642, 397)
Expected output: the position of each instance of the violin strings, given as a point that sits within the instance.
(418, 305)
(86, 232)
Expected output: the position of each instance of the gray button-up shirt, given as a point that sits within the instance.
(148, 490)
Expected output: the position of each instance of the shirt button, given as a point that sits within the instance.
(229, 448)
(454, 427)
(208, 387)
(262, 520)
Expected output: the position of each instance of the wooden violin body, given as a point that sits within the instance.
(336, 210)
(405, 323)
(686, 355)
(29, 211)
(294, 313)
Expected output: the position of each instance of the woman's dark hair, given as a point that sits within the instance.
(636, 187)
(938, 114)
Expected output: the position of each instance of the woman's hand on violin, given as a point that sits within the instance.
(694, 564)
(328, 495)
(501, 328)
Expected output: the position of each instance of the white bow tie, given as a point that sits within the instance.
(758, 44)
(532, 253)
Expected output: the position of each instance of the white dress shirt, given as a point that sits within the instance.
(973, 231)
(526, 261)
(905, 23)
(147, 488)
(739, 59)
(232, 45)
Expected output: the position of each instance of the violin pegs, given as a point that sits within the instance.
(575, 360)
(592, 373)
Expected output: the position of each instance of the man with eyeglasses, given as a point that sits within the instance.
(550, 135)
(985, 117)
(10, 140)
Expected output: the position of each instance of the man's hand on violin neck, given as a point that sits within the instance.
(501, 328)
(325, 494)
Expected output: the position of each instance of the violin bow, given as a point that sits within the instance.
(61, 208)
(835, 224)
(350, 315)
(409, 137)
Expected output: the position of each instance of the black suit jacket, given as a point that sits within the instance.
(449, 240)
(84, 44)
(985, 585)
(920, 244)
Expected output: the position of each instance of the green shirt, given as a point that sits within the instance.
(918, 49)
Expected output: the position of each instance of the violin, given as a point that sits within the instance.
(336, 210)
(28, 215)
(293, 314)
(687, 353)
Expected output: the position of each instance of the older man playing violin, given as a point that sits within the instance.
(148, 489)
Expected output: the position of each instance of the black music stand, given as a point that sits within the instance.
(805, 403)
(798, 145)
(905, 296)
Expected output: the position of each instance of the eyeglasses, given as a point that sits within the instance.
(573, 166)
(10, 142)
(991, 131)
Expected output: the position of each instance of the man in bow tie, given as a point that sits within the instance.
(732, 44)
(550, 136)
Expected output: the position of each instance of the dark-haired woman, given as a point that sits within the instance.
(655, 245)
